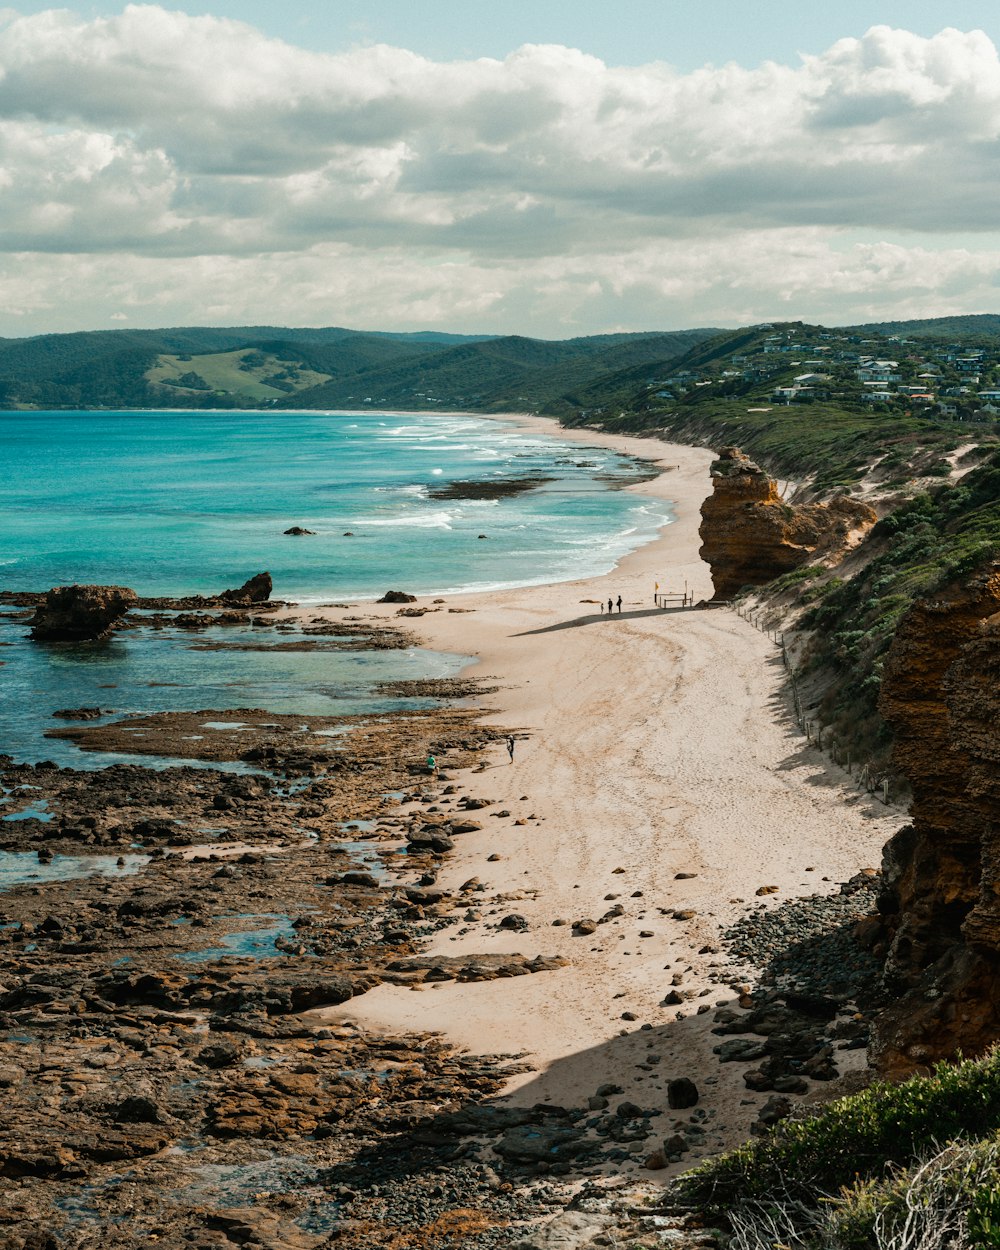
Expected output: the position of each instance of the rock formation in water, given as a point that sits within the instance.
(750, 535)
(941, 898)
(80, 613)
(256, 590)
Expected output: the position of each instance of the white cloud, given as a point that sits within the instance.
(199, 160)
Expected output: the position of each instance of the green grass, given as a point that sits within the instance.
(252, 374)
(858, 1163)
(936, 538)
(834, 444)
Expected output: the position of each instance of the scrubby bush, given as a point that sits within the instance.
(911, 1166)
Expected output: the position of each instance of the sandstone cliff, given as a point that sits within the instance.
(80, 613)
(941, 901)
(750, 535)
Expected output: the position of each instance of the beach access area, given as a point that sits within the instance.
(660, 788)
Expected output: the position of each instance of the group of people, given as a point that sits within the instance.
(611, 605)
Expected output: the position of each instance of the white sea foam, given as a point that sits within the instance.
(416, 520)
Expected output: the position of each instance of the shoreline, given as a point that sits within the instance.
(324, 569)
(293, 973)
(657, 743)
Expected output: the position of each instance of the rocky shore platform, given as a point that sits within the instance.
(169, 938)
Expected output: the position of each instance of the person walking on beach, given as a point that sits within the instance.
(602, 607)
(611, 605)
(510, 747)
(619, 605)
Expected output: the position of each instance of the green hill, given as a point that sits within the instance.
(131, 368)
(198, 367)
(503, 373)
(973, 325)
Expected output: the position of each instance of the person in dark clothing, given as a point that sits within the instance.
(510, 747)
(611, 605)
(619, 605)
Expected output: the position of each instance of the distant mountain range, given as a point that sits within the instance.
(272, 366)
(333, 367)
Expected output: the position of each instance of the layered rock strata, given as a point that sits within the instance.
(750, 535)
(941, 900)
(80, 613)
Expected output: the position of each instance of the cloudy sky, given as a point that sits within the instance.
(544, 168)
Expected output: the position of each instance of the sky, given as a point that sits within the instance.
(542, 168)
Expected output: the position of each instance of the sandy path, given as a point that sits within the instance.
(657, 742)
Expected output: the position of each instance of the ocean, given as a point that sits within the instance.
(177, 503)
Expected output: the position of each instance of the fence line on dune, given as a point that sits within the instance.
(816, 733)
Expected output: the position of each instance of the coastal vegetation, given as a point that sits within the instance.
(914, 1165)
(267, 366)
(934, 538)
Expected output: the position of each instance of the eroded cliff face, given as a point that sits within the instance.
(750, 535)
(941, 901)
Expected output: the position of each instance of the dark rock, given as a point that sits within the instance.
(758, 1079)
(628, 1111)
(791, 1085)
(816, 1005)
(80, 613)
(397, 596)
(363, 880)
(255, 590)
(740, 1050)
(218, 1055)
(518, 923)
(430, 839)
(297, 530)
(465, 826)
(775, 1109)
(682, 1093)
(539, 1143)
(136, 1110)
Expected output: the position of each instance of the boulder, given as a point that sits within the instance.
(298, 530)
(81, 613)
(397, 596)
(430, 839)
(541, 1143)
(256, 590)
(682, 1093)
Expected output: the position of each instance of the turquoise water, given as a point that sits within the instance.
(173, 503)
(155, 670)
(182, 502)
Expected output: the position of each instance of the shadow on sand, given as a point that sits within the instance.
(596, 619)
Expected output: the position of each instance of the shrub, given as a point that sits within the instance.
(861, 1137)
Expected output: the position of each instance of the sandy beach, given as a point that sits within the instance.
(651, 743)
